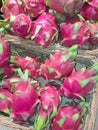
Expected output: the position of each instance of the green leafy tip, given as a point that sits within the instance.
(61, 121)
(24, 75)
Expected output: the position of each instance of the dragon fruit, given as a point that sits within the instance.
(65, 7)
(93, 28)
(90, 10)
(49, 102)
(75, 33)
(24, 100)
(44, 30)
(5, 101)
(10, 83)
(73, 6)
(6, 71)
(34, 8)
(4, 53)
(10, 9)
(80, 83)
(28, 63)
(60, 64)
(22, 26)
(68, 118)
(72, 19)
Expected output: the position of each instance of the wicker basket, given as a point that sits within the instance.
(27, 48)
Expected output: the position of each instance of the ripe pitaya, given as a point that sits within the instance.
(10, 9)
(73, 6)
(24, 100)
(63, 6)
(5, 101)
(6, 71)
(44, 30)
(34, 8)
(4, 53)
(10, 83)
(72, 19)
(75, 33)
(60, 64)
(93, 28)
(90, 10)
(49, 102)
(28, 63)
(80, 83)
(22, 25)
(68, 118)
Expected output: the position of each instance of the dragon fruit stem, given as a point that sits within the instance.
(73, 51)
(12, 59)
(85, 105)
(95, 67)
(24, 75)
(40, 123)
(95, 78)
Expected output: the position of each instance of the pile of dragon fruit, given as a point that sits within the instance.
(53, 93)
(50, 94)
(52, 21)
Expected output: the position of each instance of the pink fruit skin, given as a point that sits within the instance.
(34, 7)
(7, 71)
(49, 103)
(90, 11)
(73, 6)
(57, 5)
(72, 86)
(44, 30)
(11, 8)
(28, 63)
(56, 67)
(70, 116)
(93, 38)
(22, 25)
(74, 33)
(24, 101)
(72, 19)
(10, 83)
(49, 98)
(66, 7)
(5, 101)
(4, 53)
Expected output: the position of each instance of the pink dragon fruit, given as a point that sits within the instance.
(49, 102)
(68, 118)
(10, 83)
(6, 71)
(60, 64)
(10, 9)
(73, 6)
(5, 101)
(44, 30)
(93, 28)
(90, 10)
(75, 33)
(24, 100)
(80, 83)
(4, 53)
(63, 6)
(34, 7)
(28, 63)
(72, 19)
(22, 26)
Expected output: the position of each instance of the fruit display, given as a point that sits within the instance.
(25, 98)
(52, 21)
(48, 92)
